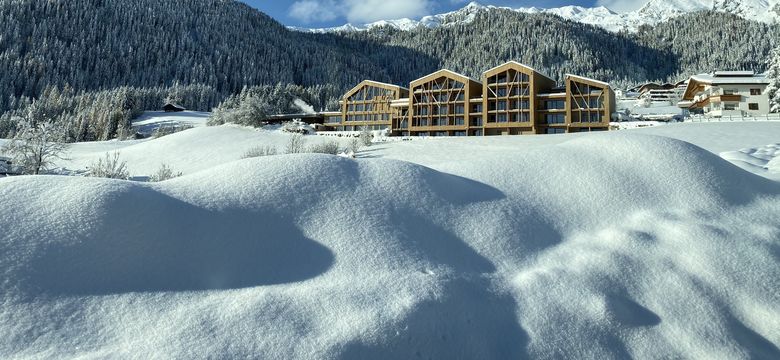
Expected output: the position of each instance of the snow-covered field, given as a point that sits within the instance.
(613, 245)
(151, 120)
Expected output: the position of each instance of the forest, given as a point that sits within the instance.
(95, 64)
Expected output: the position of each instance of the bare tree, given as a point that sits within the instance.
(36, 146)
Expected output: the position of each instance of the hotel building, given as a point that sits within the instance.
(510, 99)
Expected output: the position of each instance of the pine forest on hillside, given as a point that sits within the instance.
(96, 80)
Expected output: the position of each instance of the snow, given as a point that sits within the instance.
(652, 13)
(757, 160)
(605, 245)
(150, 121)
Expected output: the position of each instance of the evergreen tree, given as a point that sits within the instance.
(773, 74)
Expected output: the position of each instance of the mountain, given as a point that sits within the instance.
(652, 13)
(211, 49)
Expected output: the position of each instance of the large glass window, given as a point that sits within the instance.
(555, 118)
(501, 105)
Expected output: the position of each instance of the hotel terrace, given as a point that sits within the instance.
(510, 99)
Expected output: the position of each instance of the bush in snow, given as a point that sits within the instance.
(110, 167)
(330, 147)
(296, 144)
(164, 172)
(354, 145)
(366, 138)
(297, 127)
(36, 144)
(259, 151)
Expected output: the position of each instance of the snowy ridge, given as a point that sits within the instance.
(652, 13)
(314, 256)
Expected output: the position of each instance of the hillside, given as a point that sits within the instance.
(225, 45)
(315, 256)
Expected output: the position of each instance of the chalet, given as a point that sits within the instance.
(727, 93)
(171, 107)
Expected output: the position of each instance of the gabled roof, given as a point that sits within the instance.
(582, 78)
(714, 79)
(384, 84)
(710, 79)
(374, 83)
(448, 73)
(515, 63)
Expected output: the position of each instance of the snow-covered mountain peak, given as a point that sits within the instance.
(653, 12)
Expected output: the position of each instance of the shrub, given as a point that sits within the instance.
(296, 144)
(366, 137)
(354, 145)
(110, 167)
(330, 147)
(259, 151)
(163, 173)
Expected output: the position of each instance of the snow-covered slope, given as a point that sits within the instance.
(653, 12)
(616, 245)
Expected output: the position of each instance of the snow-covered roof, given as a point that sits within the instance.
(588, 79)
(734, 73)
(714, 79)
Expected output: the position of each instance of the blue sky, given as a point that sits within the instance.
(324, 13)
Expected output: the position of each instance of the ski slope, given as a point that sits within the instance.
(614, 245)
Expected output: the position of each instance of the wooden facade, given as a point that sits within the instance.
(439, 104)
(511, 99)
(368, 105)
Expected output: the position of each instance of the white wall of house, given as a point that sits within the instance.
(754, 100)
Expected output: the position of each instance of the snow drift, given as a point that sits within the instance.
(585, 249)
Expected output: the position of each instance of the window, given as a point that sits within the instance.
(555, 131)
(555, 105)
(729, 91)
(729, 106)
(753, 106)
(460, 133)
(501, 118)
(459, 121)
(476, 108)
(459, 109)
(501, 92)
(755, 92)
(501, 105)
(476, 121)
(477, 132)
(555, 118)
